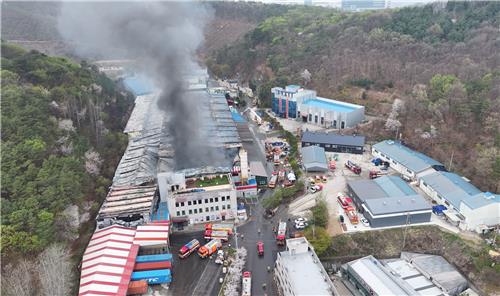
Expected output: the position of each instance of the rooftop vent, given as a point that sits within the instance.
(385, 203)
(390, 142)
(413, 200)
(399, 201)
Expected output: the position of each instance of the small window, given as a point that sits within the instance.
(177, 204)
(206, 200)
(223, 207)
(201, 210)
(206, 209)
(216, 199)
(211, 200)
(182, 204)
(223, 198)
(228, 198)
(228, 207)
(212, 209)
(190, 212)
(183, 213)
(178, 213)
(195, 211)
(194, 202)
(189, 203)
(216, 208)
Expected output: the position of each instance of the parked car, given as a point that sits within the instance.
(365, 222)
(260, 248)
(315, 188)
(300, 225)
(325, 179)
(300, 219)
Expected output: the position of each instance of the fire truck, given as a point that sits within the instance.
(280, 236)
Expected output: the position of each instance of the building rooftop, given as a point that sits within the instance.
(314, 158)
(482, 199)
(138, 85)
(208, 181)
(332, 138)
(304, 270)
(127, 200)
(388, 194)
(108, 261)
(332, 105)
(411, 159)
(257, 169)
(452, 187)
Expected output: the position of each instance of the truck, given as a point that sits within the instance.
(209, 248)
(216, 234)
(353, 167)
(189, 248)
(375, 174)
(272, 182)
(260, 248)
(228, 227)
(344, 201)
(281, 235)
(246, 289)
(352, 215)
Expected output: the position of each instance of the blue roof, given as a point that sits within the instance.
(329, 105)
(162, 213)
(394, 186)
(413, 160)
(482, 199)
(451, 187)
(138, 85)
(237, 117)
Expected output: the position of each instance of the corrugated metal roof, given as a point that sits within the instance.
(451, 187)
(387, 195)
(313, 157)
(108, 262)
(333, 139)
(411, 159)
(127, 200)
(257, 168)
(482, 199)
(152, 234)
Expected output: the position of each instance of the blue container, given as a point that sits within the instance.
(153, 258)
(159, 276)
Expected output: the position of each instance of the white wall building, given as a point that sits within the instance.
(190, 203)
(405, 160)
(298, 271)
(475, 210)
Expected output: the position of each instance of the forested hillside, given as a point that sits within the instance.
(441, 63)
(61, 141)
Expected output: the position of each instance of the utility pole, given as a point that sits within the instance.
(406, 230)
(451, 160)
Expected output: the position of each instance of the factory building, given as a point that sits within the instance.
(296, 102)
(467, 206)
(411, 274)
(405, 160)
(333, 142)
(389, 201)
(198, 198)
(258, 170)
(298, 271)
(314, 159)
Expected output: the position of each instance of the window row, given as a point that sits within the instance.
(200, 210)
(199, 202)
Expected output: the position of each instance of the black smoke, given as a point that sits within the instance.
(163, 37)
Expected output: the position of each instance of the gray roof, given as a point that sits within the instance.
(314, 159)
(451, 187)
(439, 270)
(332, 138)
(411, 159)
(388, 195)
(257, 168)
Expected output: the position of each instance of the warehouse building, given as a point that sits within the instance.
(333, 142)
(389, 201)
(405, 160)
(258, 170)
(467, 206)
(198, 198)
(411, 274)
(314, 159)
(298, 271)
(296, 102)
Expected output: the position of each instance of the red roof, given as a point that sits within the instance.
(152, 234)
(108, 262)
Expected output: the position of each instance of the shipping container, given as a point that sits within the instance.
(137, 287)
(153, 258)
(153, 277)
(152, 265)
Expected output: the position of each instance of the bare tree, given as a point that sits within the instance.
(235, 271)
(54, 271)
(18, 280)
(306, 75)
(93, 162)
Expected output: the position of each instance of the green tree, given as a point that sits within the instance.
(319, 238)
(440, 86)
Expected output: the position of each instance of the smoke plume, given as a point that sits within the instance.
(163, 37)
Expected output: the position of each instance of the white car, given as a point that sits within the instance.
(365, 222)
(300, 225)
(299, 220)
